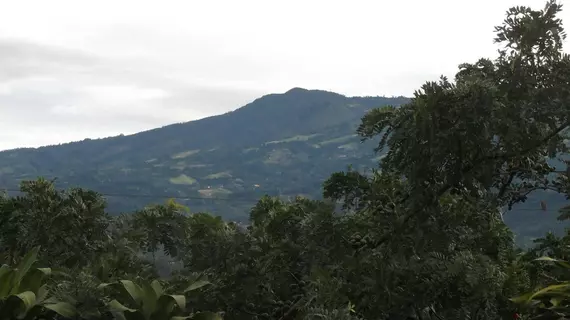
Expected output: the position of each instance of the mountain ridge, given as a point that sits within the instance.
(260, 142)
(283, 144)
(293, 93)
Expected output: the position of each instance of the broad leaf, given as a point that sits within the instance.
(157, 288)
(33, 279)
(149, 299)
(25, 266)
(557, 261)
(6, 281)
(28, 301)
(64, 309)
(134, 291)
(197, 285)
(116, 306)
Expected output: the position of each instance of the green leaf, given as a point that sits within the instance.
(24, 267)
(33, 279)
(122, 312)
(197, 285)
(105, 285)
(59, 272)
(116, 306)
(165, 306)
(557, 288)
(45, 271)
(6, 282)
(557, 261)
(134, 291)
(4, 269)
(149, 300)
(64, 309)
(41, 293)
(556, 301)
(167, 303)
(27, 302)
(522, 299)
(157, 288)
(179, 299)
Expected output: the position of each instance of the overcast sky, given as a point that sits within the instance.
(76, 69)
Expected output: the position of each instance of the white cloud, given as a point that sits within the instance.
(66, 110)
(40, 84)
(109, 67)
(123, 93)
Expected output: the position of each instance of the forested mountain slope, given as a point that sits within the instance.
(280, 144)
(422, 237)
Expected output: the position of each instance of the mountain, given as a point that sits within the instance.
(280, 144)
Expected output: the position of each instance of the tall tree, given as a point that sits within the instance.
(459, 153)
(69, 225)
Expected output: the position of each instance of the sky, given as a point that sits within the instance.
(75, 69)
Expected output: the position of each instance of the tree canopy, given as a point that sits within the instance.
(421, 237)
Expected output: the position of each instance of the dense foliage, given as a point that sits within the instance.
(423, 237)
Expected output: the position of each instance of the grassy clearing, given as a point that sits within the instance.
(336, 140)
(6, 170)
(219, 175)
(183, 179)
(349, 146)
(184, 154)
(215, 192)
(295, 138)
(249, 150)
(198, 165)
(278, 156)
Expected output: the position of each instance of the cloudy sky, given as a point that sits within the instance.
(75, 69)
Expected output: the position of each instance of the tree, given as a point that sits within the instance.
(458, 154)
(69, 225)
(164, 225)
(487, 134)
(421, 237)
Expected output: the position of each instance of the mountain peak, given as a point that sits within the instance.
(303, 91)
(296, 90)
(297, 134)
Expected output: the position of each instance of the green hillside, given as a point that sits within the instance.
(280, 144)
(420, 237)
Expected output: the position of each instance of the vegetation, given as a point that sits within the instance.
(282, 145)
(422, 237)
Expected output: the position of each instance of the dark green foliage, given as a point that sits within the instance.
(421, 237)
(70, 226)
(149, 301)
(24, 293)
(161, 225)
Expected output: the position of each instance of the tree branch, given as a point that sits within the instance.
(506, 185)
